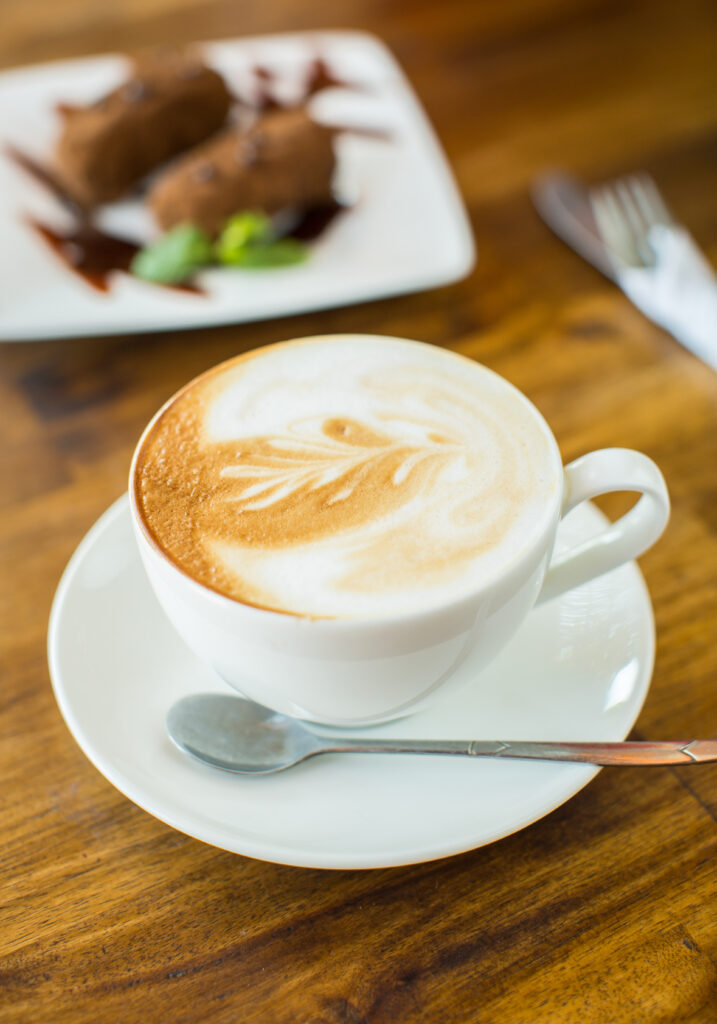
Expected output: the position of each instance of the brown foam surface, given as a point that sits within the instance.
(327, 512)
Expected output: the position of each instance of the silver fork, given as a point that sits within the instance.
(657, 263)
(625, 212)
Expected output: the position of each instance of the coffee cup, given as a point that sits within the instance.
(335, 523)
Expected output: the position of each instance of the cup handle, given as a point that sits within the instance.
(609, 469)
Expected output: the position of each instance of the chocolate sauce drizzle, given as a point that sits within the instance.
(95, 255)
(319, 77)
(43, 175)
(90, 253)
(322, 77)
(314, 220)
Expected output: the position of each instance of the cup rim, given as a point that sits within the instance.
(502, 575)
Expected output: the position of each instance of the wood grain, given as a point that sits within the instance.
(607, 909)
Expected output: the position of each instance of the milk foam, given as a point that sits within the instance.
(347, 477)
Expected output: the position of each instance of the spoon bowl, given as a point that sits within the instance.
(238, 735)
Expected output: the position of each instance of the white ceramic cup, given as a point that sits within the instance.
(351, 672)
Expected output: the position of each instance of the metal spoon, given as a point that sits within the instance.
(240, 736)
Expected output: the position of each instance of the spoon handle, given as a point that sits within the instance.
(635, 752)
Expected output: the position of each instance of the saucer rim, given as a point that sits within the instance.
(576, 776)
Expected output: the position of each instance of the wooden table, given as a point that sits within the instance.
(605, 912)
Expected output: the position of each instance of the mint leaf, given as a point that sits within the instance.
(282, 253)
(239, 232)
(175, 256)
(248, 241)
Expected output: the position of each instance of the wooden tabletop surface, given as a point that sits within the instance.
(606, 910)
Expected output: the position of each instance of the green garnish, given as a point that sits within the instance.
(175, 256)
(282, 253)
(241, 231)
(248, 241)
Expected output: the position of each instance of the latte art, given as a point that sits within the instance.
(325, 476)
(346, 477)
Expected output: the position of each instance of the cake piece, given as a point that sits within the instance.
(171, 102)
(283, 160)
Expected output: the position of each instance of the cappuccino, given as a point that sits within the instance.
(346, 477)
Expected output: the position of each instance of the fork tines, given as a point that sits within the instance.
(624, 212)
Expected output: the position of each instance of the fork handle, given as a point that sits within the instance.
(636, 752)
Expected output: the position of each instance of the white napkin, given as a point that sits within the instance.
(679, 292)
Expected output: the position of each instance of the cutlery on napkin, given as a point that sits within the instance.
(627, 232)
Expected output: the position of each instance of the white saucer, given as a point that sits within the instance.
(578, 669)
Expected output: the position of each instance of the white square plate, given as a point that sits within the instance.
(407, 230)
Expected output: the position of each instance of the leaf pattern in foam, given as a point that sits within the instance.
(327, 475)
